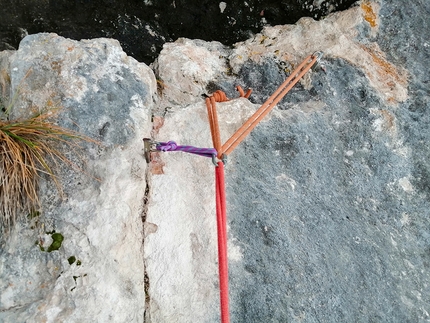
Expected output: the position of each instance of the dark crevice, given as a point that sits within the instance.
(145, 199)
(142, 27)
(147, 299)
(143, 216)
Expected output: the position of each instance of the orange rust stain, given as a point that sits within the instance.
(160, 87)
(385, 69)
(157, 123)
(56, 66)
(369, 14)
(50, 103)
(156, 164)
(391, 84)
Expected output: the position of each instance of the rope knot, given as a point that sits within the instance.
(220, 96)
(167, 146)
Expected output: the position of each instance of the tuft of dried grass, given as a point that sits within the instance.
(28, 149)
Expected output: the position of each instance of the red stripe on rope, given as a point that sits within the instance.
(221, 215)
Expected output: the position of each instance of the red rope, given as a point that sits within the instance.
(221, 215)
(225, 149)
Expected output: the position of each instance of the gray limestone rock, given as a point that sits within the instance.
(97, 273)
(328, 198)
(328, 204)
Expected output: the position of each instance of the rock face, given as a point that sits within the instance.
(328, 198)
(142, 27)
(97, 274)
(184, 215)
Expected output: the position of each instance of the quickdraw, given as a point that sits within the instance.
(221, 152)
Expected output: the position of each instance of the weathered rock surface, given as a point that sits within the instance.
(142, 27)
(97, 275)
(184, 212)
(328, 198)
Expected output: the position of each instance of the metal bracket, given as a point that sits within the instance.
(318, 65)
(148, 147)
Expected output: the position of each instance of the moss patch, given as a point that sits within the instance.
(56, 243)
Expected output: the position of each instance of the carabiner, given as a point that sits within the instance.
(223, 159)
(318, 64)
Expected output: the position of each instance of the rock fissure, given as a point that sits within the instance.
(146, 199)
(323, 195)
(100, 220)
(18, 306)
(294, 195)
